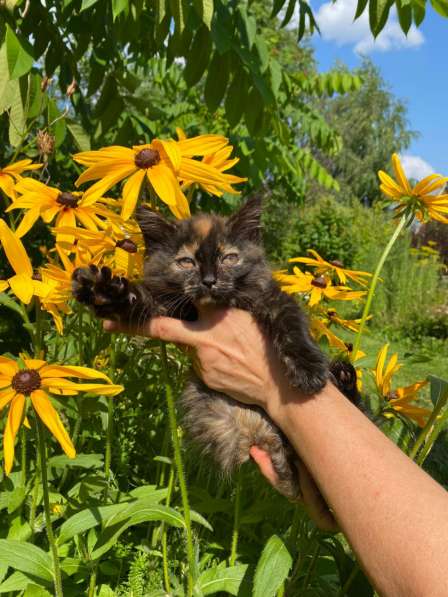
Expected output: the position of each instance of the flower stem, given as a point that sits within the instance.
(23, 457)
(110, 418)
(430, 432)
(348, 583)
(401, 224)
(166, 574)
(46, 496)
(179, 468)
(236, 521)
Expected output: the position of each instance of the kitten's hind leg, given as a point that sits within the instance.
(226, 430)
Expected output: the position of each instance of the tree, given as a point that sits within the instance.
(372, 124)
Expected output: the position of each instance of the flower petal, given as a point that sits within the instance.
(28, 221)
(94, 388)
(49, 416)
(131, 191)
(6, 396)
(15, 251)
(400, 175)
(201, 145)
(164, 183)
(22, 287)
(8, 367)
(380, 366)
(11, 428)
(171, 149)
(72, 370)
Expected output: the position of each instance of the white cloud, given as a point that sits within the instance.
(415, 167)
(336, 24)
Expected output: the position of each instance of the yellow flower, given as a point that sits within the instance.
(164, 163)
(219, 160)
(35, 378)
(398, 400)
(316, 287)
(48, 203)
(25, 283)
(9, 175)
(349, 324)
(120, 251)
(322, 267)
(419, 199)
(319, 329)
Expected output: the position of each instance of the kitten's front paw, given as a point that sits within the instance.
(100, 290)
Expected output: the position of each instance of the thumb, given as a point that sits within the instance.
(165, 328)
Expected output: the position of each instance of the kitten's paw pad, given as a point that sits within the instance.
(99, 289)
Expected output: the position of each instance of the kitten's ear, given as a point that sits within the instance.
(245, 224)
(157, 232)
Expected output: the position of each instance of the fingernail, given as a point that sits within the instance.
(109, 326)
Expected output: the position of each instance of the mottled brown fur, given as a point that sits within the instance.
(221, 261)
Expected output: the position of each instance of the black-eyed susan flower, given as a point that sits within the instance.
(419, 200)
(36, 379)
(316, 288)
(121, 251)
(40, 200)
(11, 174)
(219, 160)
(163, 163)
(25, 283)
(322, 267)
(398, 400)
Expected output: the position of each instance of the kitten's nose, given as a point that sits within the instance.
(209, 280)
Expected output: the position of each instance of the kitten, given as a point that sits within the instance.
(220, 261)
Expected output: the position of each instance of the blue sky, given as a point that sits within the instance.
(416, 68)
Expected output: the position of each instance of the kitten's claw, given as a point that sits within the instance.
(100, 290)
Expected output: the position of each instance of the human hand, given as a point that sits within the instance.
(230, 354)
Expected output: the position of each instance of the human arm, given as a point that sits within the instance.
(394, 514)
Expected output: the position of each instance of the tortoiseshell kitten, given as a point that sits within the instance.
(220, 261)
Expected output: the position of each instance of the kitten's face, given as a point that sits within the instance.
(205, 258)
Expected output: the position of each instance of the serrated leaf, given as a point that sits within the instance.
(378, 13)
(272, 568)
(419, 11)
(362, 4)
(235, 98)
(289, 13)
(249, 26)
(215, 580)
(17, 120)
(217, 80)
(404, 12)
(18, 54)
(263, 53)
(276, 7)
(26, 558)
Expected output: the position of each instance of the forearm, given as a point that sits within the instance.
(394, 515)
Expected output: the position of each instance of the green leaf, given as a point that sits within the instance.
(19, 54)
(26, 558)
(272, 568)
(440, 6)
(217, 80)
(289, 12)
(118, 6)
(82, 140)
(419, 11)
(87, 519)
(204, 9)
(10, 303)
(57, 122)
(33, 590)
(439, 390)
(136, 514)
(87, 4)
(276, 7)
(404, 11)
(362, 4)
(17, 120)
(15, 498)
(16, 582)
(177, 11)
(198, 56)
(196, 517)
(263, 53)
(215, 580)
(249, 26)
(236, 95)
(378, 13)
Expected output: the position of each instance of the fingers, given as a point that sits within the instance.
(164, 328)
(315, 505)
(264, 462)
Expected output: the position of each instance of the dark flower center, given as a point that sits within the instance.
(349, 346)
(337, 263)
(147, 158)
(127, 245)
(26, 381)
(319, 282)
(67, 200)
(37, 276)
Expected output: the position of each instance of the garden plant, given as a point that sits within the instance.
(100, 494)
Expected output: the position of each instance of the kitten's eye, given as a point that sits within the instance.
(186, 262)
(230, 258)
